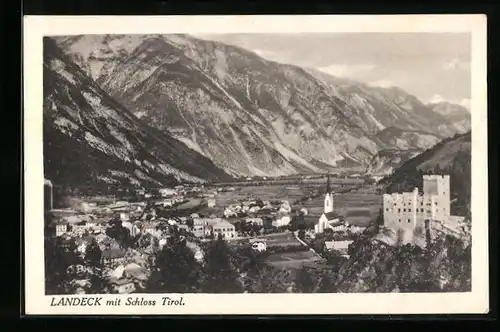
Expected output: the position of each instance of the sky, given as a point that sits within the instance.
(432, 66)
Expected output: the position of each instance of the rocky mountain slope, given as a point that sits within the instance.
(386, 161)
(458, 116)
(248, 115)
(91, 140)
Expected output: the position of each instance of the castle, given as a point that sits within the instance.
(409, 210)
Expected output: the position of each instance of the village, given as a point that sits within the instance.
(148, 219)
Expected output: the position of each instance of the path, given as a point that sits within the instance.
(296, 234)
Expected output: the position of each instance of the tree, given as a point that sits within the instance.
(256, 228)
(304, 282)
(99, 283)
(220, 275)
(326, 283)
(328, 234)
(176, 269)
(93, 253)
(238, 227)
(268, 222)
(119, 233)
(58, 257)
(302, 234)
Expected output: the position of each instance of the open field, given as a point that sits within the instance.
(360, 207)
(303, 180)
(270, 193)
(280, 239)
(293, 260)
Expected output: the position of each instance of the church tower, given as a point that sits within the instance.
(328, 196)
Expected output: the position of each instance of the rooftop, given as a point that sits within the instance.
(223, 223)
(332, 215)
(338, 245)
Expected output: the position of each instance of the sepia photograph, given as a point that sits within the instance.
(257, 163)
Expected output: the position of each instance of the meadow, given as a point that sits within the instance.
(292, 260)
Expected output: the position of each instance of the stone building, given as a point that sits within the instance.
(409, 210)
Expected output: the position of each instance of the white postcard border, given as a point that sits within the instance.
(35, 27)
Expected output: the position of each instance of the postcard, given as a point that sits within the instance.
(255, 165)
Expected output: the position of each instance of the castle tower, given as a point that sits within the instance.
(328, 196)
(438, 186)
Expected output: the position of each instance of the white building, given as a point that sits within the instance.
(259, 245)
(123, 286)
(282, 220)
(257, 221)
(224, 228)
(211, 202)
(338, 245)
(329, 219)
(215, 226)
(166, 192)
(61, 228)
(409, 210)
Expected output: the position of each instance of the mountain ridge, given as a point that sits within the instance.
(108, 144)
(249, 115)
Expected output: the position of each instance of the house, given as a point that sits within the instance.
(259, 245)
(282, 220)
(257, 221)
(123, 286)
(254, 209)
(183, 227)
(166, 192)
(79, 229)
(200, 227)
(211, 202)
(165, 203)
(224, 228)
(341, 246)
(124, 216)
(228, 213)
(61, 228)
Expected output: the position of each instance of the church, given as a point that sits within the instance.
(329, 219)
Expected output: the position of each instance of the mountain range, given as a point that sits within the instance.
(90, 139)
(246, 114)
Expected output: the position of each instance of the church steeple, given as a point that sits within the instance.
(328, 196)
(328, 188)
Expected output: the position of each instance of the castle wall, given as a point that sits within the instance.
(409, 210)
